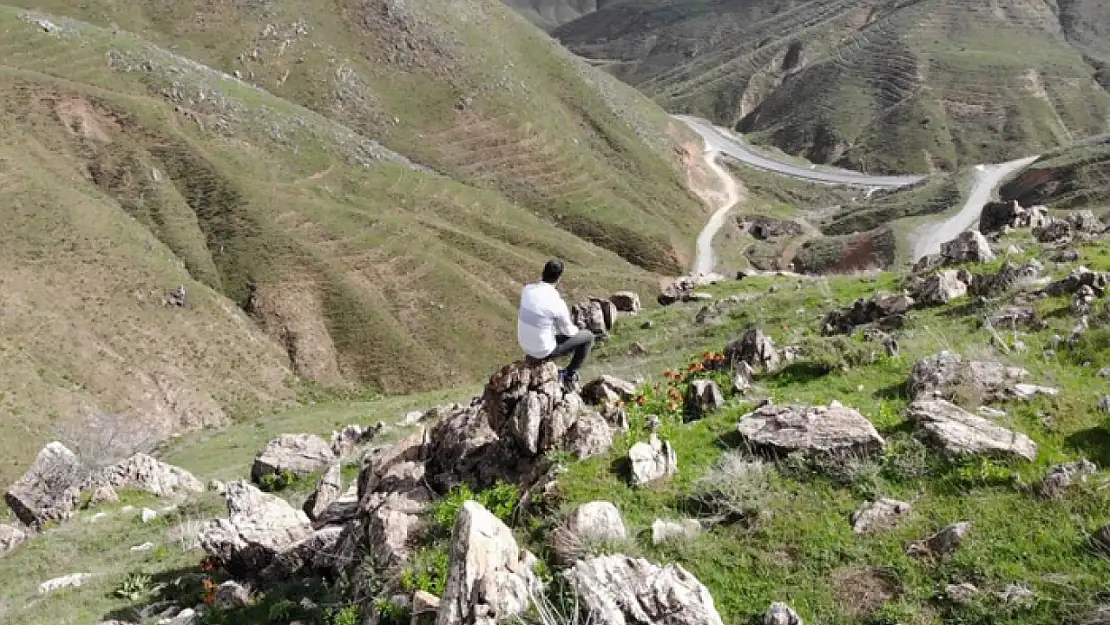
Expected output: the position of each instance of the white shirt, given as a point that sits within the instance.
(543, 314)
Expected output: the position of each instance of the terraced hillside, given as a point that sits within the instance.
(355, 233)
(878, 85)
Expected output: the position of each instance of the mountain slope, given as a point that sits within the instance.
(308, 251)
(879, 85)
(547, 14)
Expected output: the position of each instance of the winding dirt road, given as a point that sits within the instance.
(706, 259)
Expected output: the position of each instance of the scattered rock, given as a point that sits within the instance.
(1086, 222)
(941, 287)
(879, 516)
(1017, 595)
(1053, 231)
(1013, 317)
(637, 349)
(1104, 404)
(999, 215)
(595, 315)
(673, 531)
(764, 228)
(886, 310)
(754, 348)
(1070, 255)
(346, 441)
(948, 376)
(1078, 278)
(101, 495)
(941, 544)
(10, 537)
(811, 430)
(216, 486)
(1009, 276)
(188, 616)
(590, 523)
(651, 461)
(703, 397)
(618, 590)
(608, 389)
(147, 515)
(231, 595)
(626, 302)
(958, 432)
(299, 454)
(147, 546)
(327, 491)
(74, 580)
(177, 297)
(969, 246)
(961, 594)
(781, 614)
(425, 607)
(490, 579)
(259, 528)
(143, 472)
(341, 511)
(50, 489)
(1083, 300)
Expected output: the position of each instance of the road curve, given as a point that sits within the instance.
(706, 259)
(930, 237)
(724, 141)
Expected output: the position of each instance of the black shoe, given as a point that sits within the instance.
(569, 380)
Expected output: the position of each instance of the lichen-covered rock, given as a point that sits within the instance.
(299, 454)
(942, 544)
(754, 348)
(258, 529)
(703, 397)
(618, 590)
(50, 489)
(879, 516)
(652, 461)
(143, 472)
(811, 430)
(957, 432)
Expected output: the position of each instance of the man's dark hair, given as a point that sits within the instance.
(552, 271)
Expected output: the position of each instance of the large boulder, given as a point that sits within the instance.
(50, 489)
(651, 461)
(957, 432)
(490, 578)
(299, 454)
(997, 216)
(947, 375)
(594, 522)
(143, 472)
(328, 489)
(259, 528)
(596, 315)
(619, 590)
(10, 537)
(811, 430)
(941, 287)
(754, 348)
(703, 397)
(969, 246)
(626, 302)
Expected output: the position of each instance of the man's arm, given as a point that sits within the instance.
(563, 323)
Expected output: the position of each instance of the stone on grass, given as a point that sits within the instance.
(626, 302)
(73, 580)
(957, 432)
(10, 537)
(619, 590)
(942, 544)
(258, 529)
(50, 489)
(298, 454)
(663, 531)
(652, 461)
(970, 246)
(811, 431)
(781, 614)
(147, 515)
(703, 397)
(961, 594)
(608, 389)
(1063, 476)
(590, 523)
(145, 473)
(879, 516)
(101, 495)
(754, 348)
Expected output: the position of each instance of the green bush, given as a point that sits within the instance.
(134, 587)
(277, 482)
(346, 615)
(390, 613)
(839, 353)
(427, 571)
(501, 500)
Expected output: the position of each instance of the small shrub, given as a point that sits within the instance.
(501, 500)
(979, 472)
(906, 459)
(735, 489)
(427, 571)
(838, 353)
(277, 482)
(345, 615)
(862, 475)
(390, 613)
(282, 611)
(134, 587)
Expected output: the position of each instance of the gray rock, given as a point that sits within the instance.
(1086, 222)
(595, 315)
(594, 522)
(216, 486)
(147, 515)
(341, 511)
(1104, 372)
(231, 595)
(703, 397)
(754, 348)
(652, 461)
(299, 454)
(626, 302)
(948, 376)
(327, 491)
(811, 430)
(73, 580)
(781, 614)
(590, 435)
(103, 494)
(608, 389)
(147, 546)
(11, 537)
(637, 349)
(143, 472)
(425, 607)
(1104, 404)
(942, 544)
(663, 531)
(346, 441)
(258, 529)
(188, 616)
(393, 518)
(618, 590)
(961, 594)
(490, 579)
(941, 287)
(878, 516)
(1026, 392)
(50, 489)
(1017, 595)
(958, 432)
(1053, 231)
(969, 246)
(1083, 300)
(1078, 278)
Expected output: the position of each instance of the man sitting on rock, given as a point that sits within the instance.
(544, 327)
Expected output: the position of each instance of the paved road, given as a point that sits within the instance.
(726, 142)
(930, 237)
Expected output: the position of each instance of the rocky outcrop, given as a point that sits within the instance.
(490, 578)
(957, 432)
(328, 489)
(1062, 476)
(781, 614)
(142, 472)
(10, 537)
(754, 348)
(998, 216)
(942, 544)
(810, 430)
(879, 516)
(608, 390)
(350, 438)
(50, 489)
(703, 397)
(618, 590)
(652, 461)
(969, 246)
(299, 454)
(948, 376)
(1010, 276)
(1078, 278)
(888, 311)
(588, 524)
(260, 527)
(941, 287)
(626, 302)
(764, 228)
(596, 315)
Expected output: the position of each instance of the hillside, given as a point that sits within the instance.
(347, 197)
(883, 505)
(877, 85)
(1072, 177)
(548, 14)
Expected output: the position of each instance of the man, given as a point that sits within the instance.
(544, 328)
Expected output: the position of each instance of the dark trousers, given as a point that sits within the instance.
(579, 344)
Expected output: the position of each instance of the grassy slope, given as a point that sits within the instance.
(1071, 177)
(804, 551)
(129, 170)
(880, 86)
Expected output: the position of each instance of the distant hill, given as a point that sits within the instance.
(350, 198)
(879, 85)
(548, 14)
